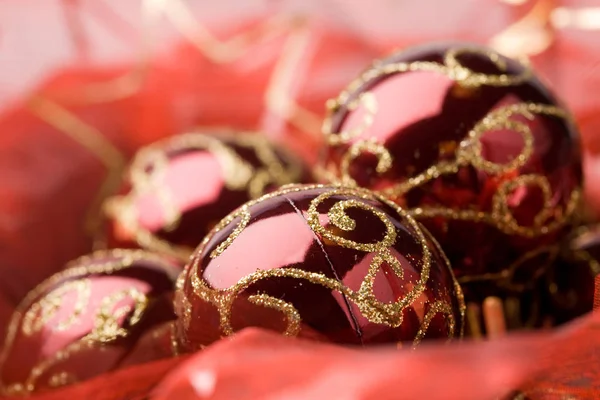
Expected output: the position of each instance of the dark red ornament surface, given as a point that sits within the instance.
(332, 264)
(474, 144)
(572, 278)
(106, 310)
(179, 188)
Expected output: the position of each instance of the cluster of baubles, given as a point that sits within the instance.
(445, 168)
(475, 148)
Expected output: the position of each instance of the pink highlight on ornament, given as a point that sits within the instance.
(276, 232)
(404, 109)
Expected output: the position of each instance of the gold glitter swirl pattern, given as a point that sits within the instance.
(338, 217)
(273, 171)
(149, 167)
(34, 313)
(106, 324)
(106, 329)
(439, 307)
(365, 100)
(375, 311)
(41, 312)
(452, 68)
(471, 79)
(244, 216)
(292, 315)
(182, 300)
(469, 150)
(384, 158)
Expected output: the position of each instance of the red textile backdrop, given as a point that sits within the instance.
(85, 83)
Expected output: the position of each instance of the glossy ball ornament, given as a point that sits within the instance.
(104, 311)
(179, 188)
(473, 144)
(571, 280)
(328, 263)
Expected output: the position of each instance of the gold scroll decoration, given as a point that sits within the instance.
(467, 153)
(149, 167)
(390, 314)
(39, 308)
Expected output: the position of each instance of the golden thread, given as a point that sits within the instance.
(277, 94)
(149, 167)
(100, 262)
(92, 140)
(117, 88)
(217, 51)
(375, 311)
(505, 278)
(122, 86)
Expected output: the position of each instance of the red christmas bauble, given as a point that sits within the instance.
(473, 144)
(179, 188)
(104, 311)
(328, 263)
(571, 278)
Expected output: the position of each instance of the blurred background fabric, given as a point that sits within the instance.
(84, 83)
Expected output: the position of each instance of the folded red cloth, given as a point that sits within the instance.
(52, 175)
(262, 365)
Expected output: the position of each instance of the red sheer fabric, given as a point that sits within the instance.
(86, 83)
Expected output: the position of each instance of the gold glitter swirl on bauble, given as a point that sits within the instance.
(390, 314)
(34, 314)
(452, 68)
(468, 153)
(149, 166)
(106, 329)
